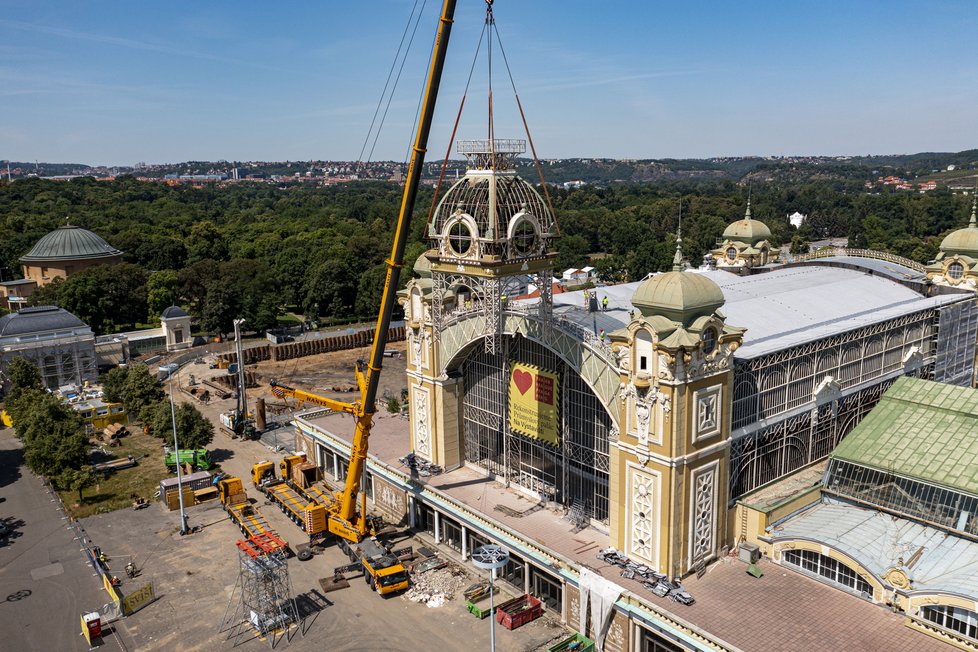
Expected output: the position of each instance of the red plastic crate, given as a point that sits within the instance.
(518, 611)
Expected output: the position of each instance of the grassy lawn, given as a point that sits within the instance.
(112, 491)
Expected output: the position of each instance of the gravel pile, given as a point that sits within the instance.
(436, 587)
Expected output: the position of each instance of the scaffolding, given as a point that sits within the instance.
(262, 598)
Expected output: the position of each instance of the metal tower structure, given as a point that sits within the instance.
(262, 598)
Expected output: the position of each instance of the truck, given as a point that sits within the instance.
(198, 458)
(382, 570)
(246, 516)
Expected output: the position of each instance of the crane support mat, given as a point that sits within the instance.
(333, 583)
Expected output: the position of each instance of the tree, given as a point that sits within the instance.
(51, 432)
(77, 480)
(161, 291)
(573, 250)
(140, 390)
(193, 429)
(113, 383)
(23, 374)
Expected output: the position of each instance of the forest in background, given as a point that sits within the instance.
(255, 249)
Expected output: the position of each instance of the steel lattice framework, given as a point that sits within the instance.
(781, 424)
(576, 471)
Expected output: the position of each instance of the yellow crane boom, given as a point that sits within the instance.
(343, 518)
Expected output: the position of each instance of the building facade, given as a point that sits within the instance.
(60, 344)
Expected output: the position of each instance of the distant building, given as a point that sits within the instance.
(66, 251)
(59, 343)
(13, 294)
(745, 245)
(797, 219)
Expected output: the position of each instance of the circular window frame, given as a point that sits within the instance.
(728, 252)
(958, 271)
(515, 239)
(457, 231)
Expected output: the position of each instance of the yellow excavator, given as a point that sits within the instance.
(344, 520)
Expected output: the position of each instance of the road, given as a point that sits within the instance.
(45, 582)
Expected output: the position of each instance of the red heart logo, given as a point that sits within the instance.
(523, 380)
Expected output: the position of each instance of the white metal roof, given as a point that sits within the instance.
(782, 308)
(878, 541)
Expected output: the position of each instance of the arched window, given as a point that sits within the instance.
(523, 235)
(709, 341)
(955, 270)
(731, 254)
(956, 619)
(826, 567)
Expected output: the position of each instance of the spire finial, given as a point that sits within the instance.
(974, 206)
(677, 259)
(750, 190)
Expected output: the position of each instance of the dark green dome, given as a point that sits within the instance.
(70, 243)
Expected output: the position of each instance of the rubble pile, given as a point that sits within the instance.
(436, 587)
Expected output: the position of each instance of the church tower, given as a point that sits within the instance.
(491, 236)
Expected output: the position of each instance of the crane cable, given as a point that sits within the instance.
(490, 25)
(397, 55)
(458, 118)
(526, 128)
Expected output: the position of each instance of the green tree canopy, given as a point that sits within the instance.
(140, 390)
(113, 384)
(51, 432)
(193, 429)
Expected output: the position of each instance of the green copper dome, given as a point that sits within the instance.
(964, 241)
(422, 266)
(679, 296)
(70, 243)
(747, 231)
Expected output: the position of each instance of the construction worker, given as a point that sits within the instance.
(601, 335)
(131, 570)
(502, 300)
(585, 298)
(604, 304)
(102, 558)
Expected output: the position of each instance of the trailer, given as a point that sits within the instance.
(305, 512)
(115, 465)
(246, 516)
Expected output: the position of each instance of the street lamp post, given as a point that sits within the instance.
(176, 452)
(491, 558)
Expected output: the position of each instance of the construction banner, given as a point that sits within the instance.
(533, 400)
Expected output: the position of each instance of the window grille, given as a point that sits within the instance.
(576, 469)
(955, 619)
(828, 568)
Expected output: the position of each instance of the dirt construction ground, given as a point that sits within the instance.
(194, 576)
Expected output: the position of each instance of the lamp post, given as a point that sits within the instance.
(491, 558)
(176, 452)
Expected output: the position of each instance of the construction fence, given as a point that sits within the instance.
(312, 346)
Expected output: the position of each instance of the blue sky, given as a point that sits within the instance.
(111, 82)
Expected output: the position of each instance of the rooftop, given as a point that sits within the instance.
(70, 243)
(782, 308)
(920, 429)
(880, 541)
(784, 610)
(39, 319)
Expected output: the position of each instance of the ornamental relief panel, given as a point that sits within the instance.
(706, 412)
(642, 515)
(703, 526)
(421, 420)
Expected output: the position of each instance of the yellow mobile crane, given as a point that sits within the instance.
(343, 518)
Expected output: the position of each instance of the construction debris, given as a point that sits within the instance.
(436, 587)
